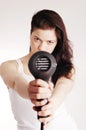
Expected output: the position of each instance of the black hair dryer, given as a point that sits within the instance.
(42, 65)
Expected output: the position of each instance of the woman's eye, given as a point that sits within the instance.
(50, 42)
(36, 39)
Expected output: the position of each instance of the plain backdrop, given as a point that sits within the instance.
(15, 18)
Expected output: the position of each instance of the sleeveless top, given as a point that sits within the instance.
(26, 117)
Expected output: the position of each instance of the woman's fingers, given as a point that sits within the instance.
(46, 120)
(51, 86)
(39, 89)
(48, 106)
(39, 82)
(47, 109)
(39, 95)
(39, 103)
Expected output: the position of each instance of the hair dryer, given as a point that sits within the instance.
(42, 65)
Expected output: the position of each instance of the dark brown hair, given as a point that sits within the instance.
(63, 52)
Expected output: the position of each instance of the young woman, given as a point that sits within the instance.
(48, 33)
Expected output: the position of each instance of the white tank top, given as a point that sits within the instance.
(26, 117)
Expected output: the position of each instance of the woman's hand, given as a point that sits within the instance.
(39, 89)
(47, 112)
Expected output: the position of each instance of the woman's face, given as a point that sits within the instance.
(43, 40)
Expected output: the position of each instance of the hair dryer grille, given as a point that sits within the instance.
(42, 65)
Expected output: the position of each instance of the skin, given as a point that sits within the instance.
(40, 40)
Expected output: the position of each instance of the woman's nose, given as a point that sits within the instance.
(42, 46)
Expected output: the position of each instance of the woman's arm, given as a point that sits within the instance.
(62, 88)
(7, 72)
(12, 79)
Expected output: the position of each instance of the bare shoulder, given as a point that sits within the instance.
(67, 80)
(8, 69)
(8, 63)
(7, 66)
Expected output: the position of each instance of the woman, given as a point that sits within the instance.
(48, 33)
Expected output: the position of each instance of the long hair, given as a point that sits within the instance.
(63, 52)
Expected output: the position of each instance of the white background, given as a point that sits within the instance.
(15, 17)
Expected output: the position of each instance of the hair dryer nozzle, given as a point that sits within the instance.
(42, 65)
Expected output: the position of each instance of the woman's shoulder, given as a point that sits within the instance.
(11, 64)
(8, 65)
(8, 70)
